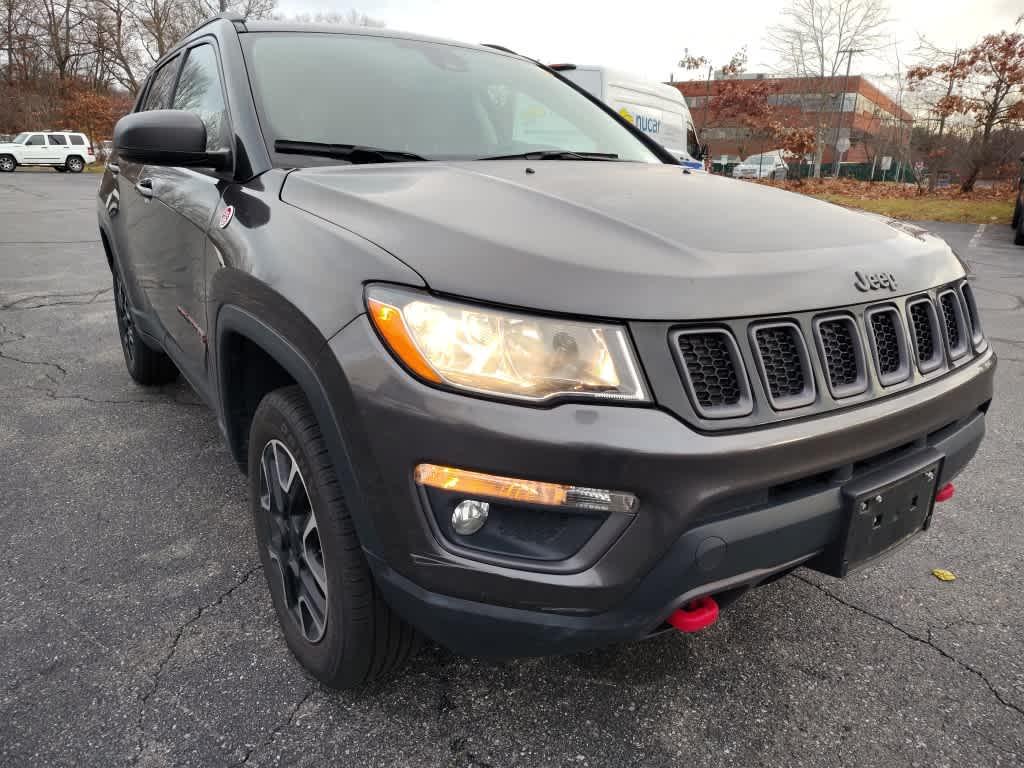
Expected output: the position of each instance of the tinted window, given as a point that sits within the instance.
(77, 139)
(199, 91)
(58, 139)
(35, 140)
(159, 95)
(430, 99)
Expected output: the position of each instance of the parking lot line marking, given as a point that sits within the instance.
(973, 242)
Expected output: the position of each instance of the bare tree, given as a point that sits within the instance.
(987, 87)
(352, 18)
(816, 40)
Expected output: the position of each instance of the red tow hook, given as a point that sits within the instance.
(698, 614)
(945, 493)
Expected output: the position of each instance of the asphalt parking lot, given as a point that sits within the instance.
(135, 627)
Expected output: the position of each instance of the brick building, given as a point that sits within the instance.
(874, 124)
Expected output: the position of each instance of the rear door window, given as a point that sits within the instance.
(160, 87)
(57, 139)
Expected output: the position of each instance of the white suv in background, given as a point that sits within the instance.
(61, 150)
(767, 165)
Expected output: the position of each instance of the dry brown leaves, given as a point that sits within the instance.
(866, 190)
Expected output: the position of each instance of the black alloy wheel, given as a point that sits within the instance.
(294, 541)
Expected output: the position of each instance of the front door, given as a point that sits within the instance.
(133, 215)
(35, 151)
(181, 208)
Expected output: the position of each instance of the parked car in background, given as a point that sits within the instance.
(657, 109)
(767, 165)
(61, 150)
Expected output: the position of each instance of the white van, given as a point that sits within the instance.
(657, 109)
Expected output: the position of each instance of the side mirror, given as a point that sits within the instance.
(167, 137)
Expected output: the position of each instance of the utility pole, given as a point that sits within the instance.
(707, 100)
(839, 123)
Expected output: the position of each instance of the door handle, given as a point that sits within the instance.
(114, 168)
(145, 187)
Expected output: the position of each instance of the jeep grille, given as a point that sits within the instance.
(785, 365)
(713, 372)
(861, 352)
(842, 355)
(924, 327)
(955, 323)
(887, 341)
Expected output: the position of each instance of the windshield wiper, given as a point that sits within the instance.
(354, 153)
(555, 154)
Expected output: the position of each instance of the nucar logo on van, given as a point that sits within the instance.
(645, 123)
(874, 281)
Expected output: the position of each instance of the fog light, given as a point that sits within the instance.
(469, 516)
(526, 491)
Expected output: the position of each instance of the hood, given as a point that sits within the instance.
(617, 240)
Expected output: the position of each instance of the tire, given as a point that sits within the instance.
(7, 163)
(1017, 214)
(75, 164)
(147, 366)
(356, 637)
(1018, 235)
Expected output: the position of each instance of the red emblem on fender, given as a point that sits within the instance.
(225, 216)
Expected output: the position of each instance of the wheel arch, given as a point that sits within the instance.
(252, 359)
(108, 249)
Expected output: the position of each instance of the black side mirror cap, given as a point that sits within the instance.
(167, 137)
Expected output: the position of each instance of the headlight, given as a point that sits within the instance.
(492, 351)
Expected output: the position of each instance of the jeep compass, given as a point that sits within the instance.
(499, 371)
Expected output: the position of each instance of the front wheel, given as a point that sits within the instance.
(329, 608)
(75, 164)
(7, 163)
(1017, 214)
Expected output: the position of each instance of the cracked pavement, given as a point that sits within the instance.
(135, 626)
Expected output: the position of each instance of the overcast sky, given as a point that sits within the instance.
(648, 37)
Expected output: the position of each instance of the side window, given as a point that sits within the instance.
(159, 95)
(692, 145)
(199, 91)
(58, 139)
(77, 139)
(35, 140)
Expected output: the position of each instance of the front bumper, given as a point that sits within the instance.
(717, 512)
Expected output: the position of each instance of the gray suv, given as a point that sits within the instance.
(500, 372)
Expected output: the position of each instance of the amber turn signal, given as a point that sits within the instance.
(473, 484)
(390, 324)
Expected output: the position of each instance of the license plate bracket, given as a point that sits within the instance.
(885, 516)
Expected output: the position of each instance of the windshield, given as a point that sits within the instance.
(20, 138)
(761, 160)
(436, 100)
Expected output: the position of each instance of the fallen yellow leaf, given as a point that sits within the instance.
(943, 575)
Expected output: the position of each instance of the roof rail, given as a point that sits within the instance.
(236, 18)
(497, 47)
